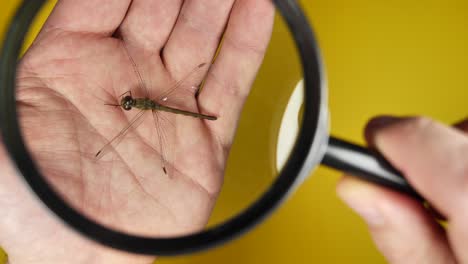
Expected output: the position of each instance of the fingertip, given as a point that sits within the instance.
(376, 124)
(360, 196)
(347, 186)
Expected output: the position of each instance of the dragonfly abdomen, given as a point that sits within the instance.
(148, 104)
(183, 112)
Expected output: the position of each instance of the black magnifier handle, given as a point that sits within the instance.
(366, 164)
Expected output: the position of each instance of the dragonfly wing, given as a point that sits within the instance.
(182, 94)
(112, 144)
(162, 125)
(142, 84)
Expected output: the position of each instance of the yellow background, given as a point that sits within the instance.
(397, 57)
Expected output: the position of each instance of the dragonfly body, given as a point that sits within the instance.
(157, 105)
(128, 102)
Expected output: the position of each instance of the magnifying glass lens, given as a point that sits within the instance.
(142, 155)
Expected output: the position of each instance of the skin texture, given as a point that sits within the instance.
(78, 62)
(434, 159)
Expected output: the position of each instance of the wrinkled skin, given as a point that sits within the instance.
(79, 62)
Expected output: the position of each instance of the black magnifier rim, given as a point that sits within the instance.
(287, 180)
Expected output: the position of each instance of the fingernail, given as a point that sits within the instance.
(359, 198)
(376, 124)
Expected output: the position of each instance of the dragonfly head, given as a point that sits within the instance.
(126, 103)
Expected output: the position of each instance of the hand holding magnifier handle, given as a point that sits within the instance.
(365, 163)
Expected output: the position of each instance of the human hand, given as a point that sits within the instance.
(77, 61)
(434, 159)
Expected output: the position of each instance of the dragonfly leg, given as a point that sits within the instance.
(127, 92)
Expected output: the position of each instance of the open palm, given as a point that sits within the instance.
(81, 60)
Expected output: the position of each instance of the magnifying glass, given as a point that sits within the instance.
(312, 146)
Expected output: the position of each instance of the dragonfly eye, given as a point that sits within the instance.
(127, 102)
(127, 106)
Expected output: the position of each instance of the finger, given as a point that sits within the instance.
(149, 23)
(196, 35)
(230, 78)
(458, 231)
(401, 228)
(90, 16)
(458, 234)
(432, 156)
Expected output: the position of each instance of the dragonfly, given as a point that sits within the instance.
(155, 106)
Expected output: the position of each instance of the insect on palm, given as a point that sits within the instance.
(168, 102)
